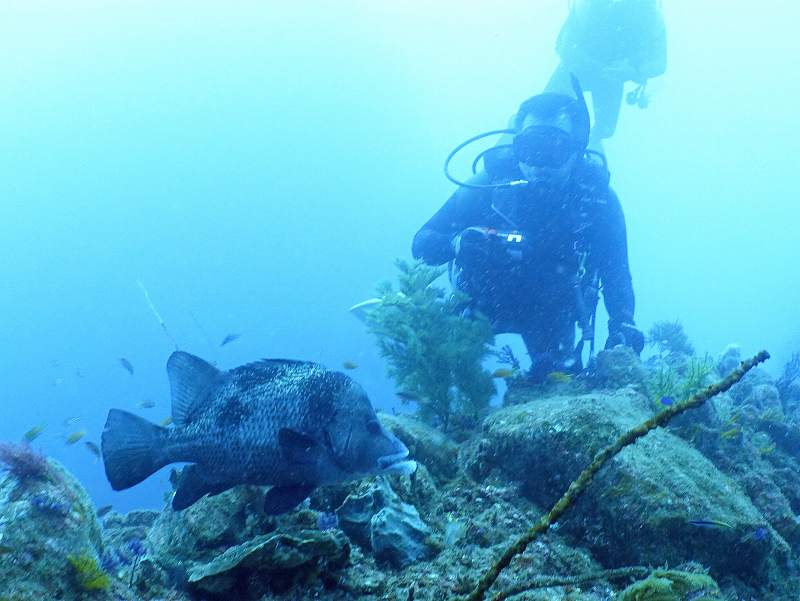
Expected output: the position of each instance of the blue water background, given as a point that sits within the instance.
(260, 166)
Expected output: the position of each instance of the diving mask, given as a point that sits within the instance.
(544, 146)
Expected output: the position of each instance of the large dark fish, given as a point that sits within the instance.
(292, 424)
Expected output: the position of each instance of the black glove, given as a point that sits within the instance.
(625, 334)
(475, 247)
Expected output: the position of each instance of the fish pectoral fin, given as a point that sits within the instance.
(280, 499)
(191, 381)
(295, 446)
(193, 483)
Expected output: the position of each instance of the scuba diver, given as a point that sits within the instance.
(533, 236)
(607, 43)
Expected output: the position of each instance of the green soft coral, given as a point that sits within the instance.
(435, 355)
(672, 585)
(88, 574)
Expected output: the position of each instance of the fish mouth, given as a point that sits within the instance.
(397, 463)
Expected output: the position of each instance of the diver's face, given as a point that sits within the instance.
(538, 171)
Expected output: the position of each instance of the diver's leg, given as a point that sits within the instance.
(550, 341)
(607, 100)
(560, 81)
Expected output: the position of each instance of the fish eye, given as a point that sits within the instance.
(373, 427)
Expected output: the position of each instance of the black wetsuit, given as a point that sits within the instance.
(527, 287)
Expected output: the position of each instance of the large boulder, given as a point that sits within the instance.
(227, 545)
(658, 501)
(271, 561)
(50, 540)
(375, 517)
(426, 445)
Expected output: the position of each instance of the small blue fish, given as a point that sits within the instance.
(759, 534)
(710, 524)
(127, 365)
(667, 401)
(230, 338)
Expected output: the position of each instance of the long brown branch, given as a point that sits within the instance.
(584, 479)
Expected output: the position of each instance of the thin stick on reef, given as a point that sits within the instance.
(584, 479)
(157, 314)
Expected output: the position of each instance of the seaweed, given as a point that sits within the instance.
(24, 462)
(672, 585)
(88, 573)
(670, 337)
(696, 375)
(668, 382)
(434, 353)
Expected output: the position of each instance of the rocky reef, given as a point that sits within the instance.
(706, 508)
(51, 544)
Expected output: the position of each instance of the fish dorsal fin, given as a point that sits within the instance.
(191, 381)
(272, 368)
(275, 363)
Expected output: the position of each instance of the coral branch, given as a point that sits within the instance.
(584, 479)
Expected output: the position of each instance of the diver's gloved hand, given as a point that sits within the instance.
(625, 334)
(475, 247)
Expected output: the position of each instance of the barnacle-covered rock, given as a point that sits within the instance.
(617, 368)
(658, 501)
(282, 557)
(426, 445)
(375, 518)
(398, 536)
(49, 535)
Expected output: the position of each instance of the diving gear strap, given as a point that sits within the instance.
(467, 142)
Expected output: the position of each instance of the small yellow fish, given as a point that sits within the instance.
(33, 433)
(559, 377)
(767, 449)
(730, 434)
(350, 365)
(504, 372)
(165, 422)
(146, 404)
(76, 436)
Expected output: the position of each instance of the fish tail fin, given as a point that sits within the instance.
(132, 448)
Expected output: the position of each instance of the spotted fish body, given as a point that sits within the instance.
(294, 425)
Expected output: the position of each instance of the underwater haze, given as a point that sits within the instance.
(258, 169)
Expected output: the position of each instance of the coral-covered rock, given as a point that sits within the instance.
(50, 538)
(617, 368)
(227, 542)
(658, 501)
(375, 518)
(399, 537)
(426, 445)
(728, 360)
(272, 559)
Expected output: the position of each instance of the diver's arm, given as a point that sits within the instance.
(465, 208)
(615, 273)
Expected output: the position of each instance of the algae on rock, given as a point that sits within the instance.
(672, 585)
(435, 354)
